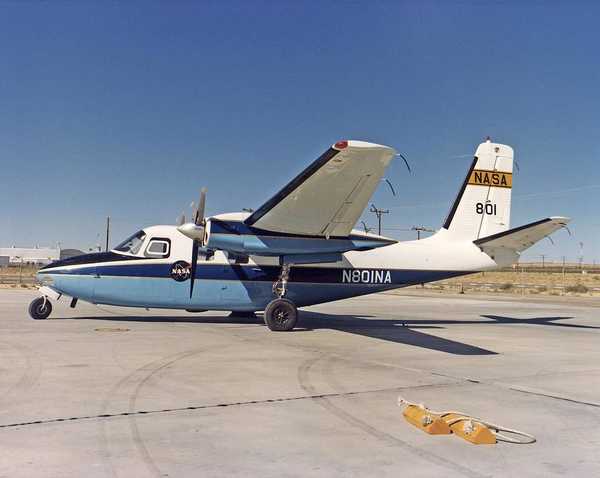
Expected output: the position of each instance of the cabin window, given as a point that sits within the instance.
(132, 244)
(158, 247)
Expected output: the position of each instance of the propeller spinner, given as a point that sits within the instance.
(195, 231)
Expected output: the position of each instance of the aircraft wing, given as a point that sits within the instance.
(521, 238)
(329, 196)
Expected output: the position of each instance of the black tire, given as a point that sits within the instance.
(281, 315)
(40, 309)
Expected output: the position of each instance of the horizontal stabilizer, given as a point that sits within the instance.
(523, 237)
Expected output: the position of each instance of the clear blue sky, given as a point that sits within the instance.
(127, 108)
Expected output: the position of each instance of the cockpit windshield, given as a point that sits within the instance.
(132, 244)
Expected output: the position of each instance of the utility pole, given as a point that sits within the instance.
(543, 256)
(378, 213)
(107, 232)
(420, 229)
(20, 270)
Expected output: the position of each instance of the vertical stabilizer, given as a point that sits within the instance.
(482, 207)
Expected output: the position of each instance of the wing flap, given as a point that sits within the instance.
(523, 237)
(328, 197)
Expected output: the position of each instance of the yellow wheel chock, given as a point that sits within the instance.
(425, 420)
(472, 429)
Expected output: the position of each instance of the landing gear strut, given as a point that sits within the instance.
(40, 308)
(281, 314)
(280, 285)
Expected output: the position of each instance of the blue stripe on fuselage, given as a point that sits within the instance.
(229, 272)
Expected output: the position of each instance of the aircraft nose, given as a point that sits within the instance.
(44, 278)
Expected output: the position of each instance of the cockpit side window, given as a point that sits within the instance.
(132, 244)
(158, 247)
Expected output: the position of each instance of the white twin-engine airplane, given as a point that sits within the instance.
(299, 248)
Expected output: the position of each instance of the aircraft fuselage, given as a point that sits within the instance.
(226, 282)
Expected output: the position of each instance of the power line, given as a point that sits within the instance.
(420, 229)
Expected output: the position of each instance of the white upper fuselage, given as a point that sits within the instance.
(438, 252)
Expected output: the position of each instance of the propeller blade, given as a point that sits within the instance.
(195, 246)
(181, 220)
(199, 219)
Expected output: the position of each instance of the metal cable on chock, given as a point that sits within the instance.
(473, 429)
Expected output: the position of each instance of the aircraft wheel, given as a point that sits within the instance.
(40, 309)
(281, 315)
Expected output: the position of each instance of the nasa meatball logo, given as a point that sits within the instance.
(180, 271)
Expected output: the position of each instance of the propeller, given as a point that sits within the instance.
(195, 231)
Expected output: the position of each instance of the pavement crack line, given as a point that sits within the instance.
(555, 397)
(382, 435)
(218, 405)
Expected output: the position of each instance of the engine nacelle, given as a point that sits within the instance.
(235, 236)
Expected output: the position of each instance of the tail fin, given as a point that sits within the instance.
(482, 207)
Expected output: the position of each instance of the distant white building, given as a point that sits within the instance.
(30, 255)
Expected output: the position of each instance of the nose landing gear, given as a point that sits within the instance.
(281, 314)
(40, 308)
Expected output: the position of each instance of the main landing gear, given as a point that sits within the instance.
(40, 308)
(281, 314)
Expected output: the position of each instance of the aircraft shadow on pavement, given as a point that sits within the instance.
(390, 330)
(498, 319)
(184, 319)
(402, 331)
